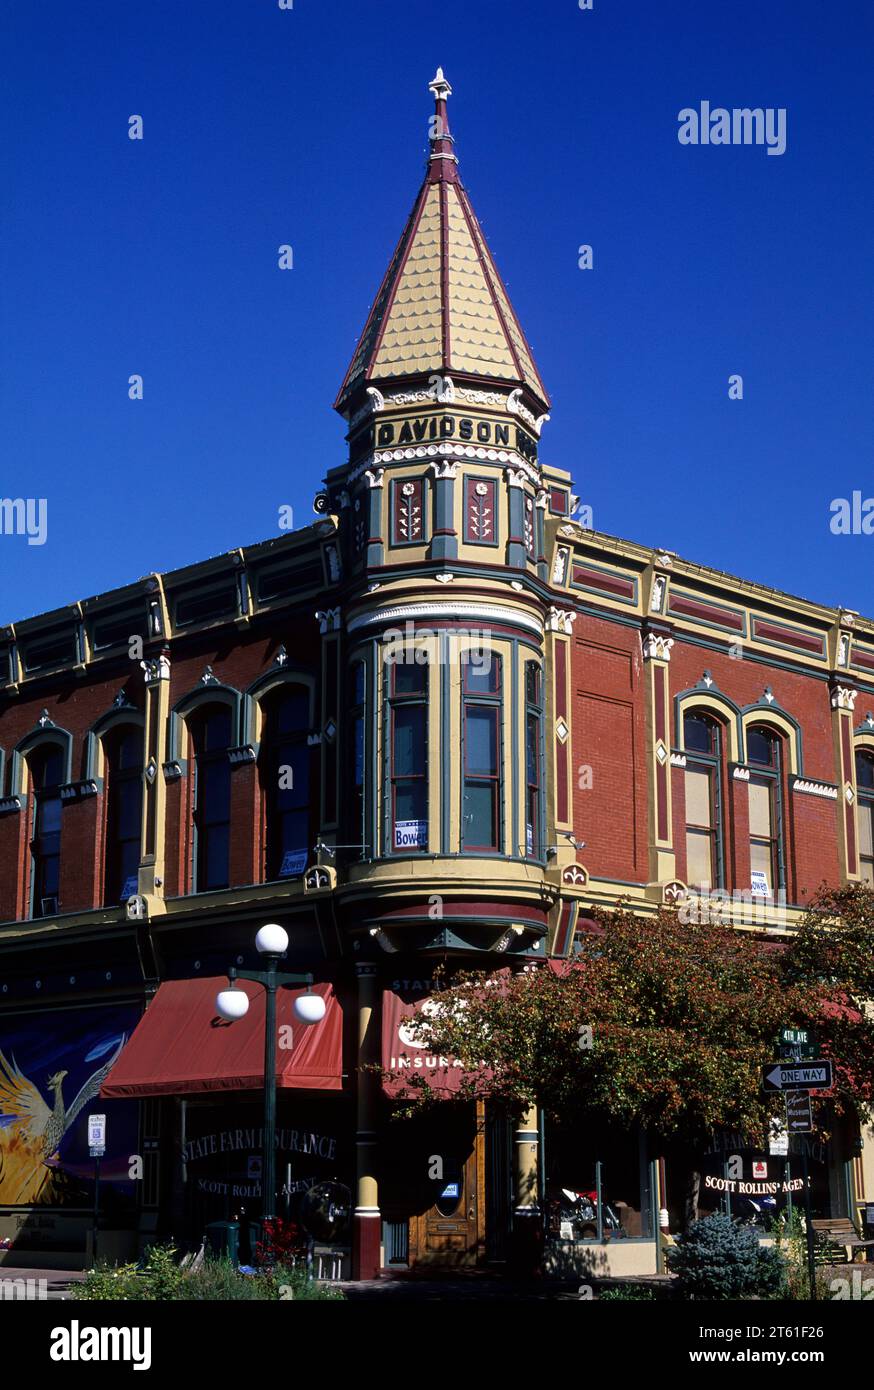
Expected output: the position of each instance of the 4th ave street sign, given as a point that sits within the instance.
(797, 1076)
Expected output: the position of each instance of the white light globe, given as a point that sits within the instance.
(272, 940)
(310, 1008)
(232, 1003)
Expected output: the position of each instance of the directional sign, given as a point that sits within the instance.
(799, 1116)
(797, 1076)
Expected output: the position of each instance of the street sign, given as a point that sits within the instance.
(799, 1115)
(797, 1037)
(778, 1139)
(97, 1135)
(797, 1076)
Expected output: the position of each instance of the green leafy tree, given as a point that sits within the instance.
(684, 1016)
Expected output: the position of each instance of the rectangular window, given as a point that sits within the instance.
(409, 754)
(700, 830)
(866, 842)
(763, 837)
(533, 729)
(482, 756)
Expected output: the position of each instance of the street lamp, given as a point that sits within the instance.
(232, 1004)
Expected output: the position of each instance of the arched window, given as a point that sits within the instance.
(702, 744)
(481, 735)
(123, 752)
(409, 752)
(286, 761)
(46, 769)
(865, 809)
(210, 730)
(765, 759)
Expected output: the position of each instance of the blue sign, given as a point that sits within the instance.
(294, 861)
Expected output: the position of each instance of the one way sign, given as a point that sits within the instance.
(797, 1076)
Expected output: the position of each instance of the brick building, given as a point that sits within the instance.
(436, 726)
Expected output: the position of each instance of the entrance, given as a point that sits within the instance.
(447, 1228)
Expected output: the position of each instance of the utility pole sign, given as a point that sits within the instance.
(97, 1135)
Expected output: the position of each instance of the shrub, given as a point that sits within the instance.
(718, 1259)
(627, 1292)
(155, 1279)
(219, 1280)
(283, 1243)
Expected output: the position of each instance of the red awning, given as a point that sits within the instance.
(403, 1056)
(182, 1047)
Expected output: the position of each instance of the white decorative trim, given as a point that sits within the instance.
(156, 670)
(466, 393)
(741, 774)
(561, 620)
(844, 697)
(575, 874)
(374, 476)
(444, 468)
(848, 616)
(843, 649)
(447, 610)
(515, 477)
(446, 578)
(810, 788)
(328, 619)
(656, 647)
(657, 600)
(428, 451)
(559, 565)
(678, 760)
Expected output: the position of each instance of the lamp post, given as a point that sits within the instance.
(232, 1003)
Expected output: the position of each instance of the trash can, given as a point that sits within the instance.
(223, 1239)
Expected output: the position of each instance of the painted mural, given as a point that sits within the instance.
(51, 1070)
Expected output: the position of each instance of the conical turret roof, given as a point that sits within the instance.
(442, 306)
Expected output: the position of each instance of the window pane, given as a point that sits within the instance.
(214, 731)
(213, 791)
(292, 773)
(481, 741)
(866, 842)
(698, 799)
(531, 760)
(410, 677)
(760, 747)
(532, 683)
(865, 770)
(292, 713)
(215, 859)
(480, 806)
(409, 740)
(127, 825)
(129, 754)
(760, 810)
(760, 860)
(699, 866)
(49, 815)
(482, 672)
(410, 801)
(868, 872)
(698, 734)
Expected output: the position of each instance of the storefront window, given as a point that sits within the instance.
(598, 1184)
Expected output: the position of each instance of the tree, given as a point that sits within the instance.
(684, 1015)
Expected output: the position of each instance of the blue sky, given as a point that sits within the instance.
(309, 127)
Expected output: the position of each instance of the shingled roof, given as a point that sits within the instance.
(442, 305)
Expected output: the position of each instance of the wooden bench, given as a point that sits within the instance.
(837, 1240)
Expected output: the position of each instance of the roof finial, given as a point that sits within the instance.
(443, 161)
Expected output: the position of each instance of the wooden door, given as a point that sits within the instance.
(451, 1230)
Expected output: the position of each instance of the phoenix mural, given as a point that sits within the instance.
(48, 1075)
